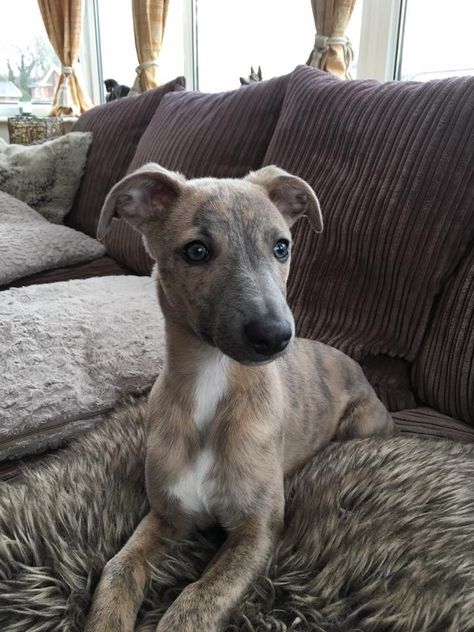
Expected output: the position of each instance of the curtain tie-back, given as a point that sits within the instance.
(63, 94)
(322, 43)
(144, 65)
(139, 69)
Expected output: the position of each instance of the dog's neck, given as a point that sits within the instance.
(186, 353)
(200, 375)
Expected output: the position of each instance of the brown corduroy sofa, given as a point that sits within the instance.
(390, 281)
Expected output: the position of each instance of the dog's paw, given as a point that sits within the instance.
(111, 623)
(189, 613)
(112, 609)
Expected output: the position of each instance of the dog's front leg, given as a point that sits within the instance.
(203, 604)
(120, 591)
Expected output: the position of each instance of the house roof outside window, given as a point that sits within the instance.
(9, 93)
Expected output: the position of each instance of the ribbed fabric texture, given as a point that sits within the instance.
(430, 423)
(103, 266)
(125, 244)
(393, 166)
(223, 135)
(117, 127)
(443, 374)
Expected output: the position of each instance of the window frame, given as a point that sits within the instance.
(91, 55)
(381, 30)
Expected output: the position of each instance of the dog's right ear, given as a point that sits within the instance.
(141, 198)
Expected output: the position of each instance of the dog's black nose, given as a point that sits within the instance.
(268, 337)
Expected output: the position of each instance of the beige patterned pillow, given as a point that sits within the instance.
(46, 176)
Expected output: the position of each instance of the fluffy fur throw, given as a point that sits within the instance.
(45, 176)
(69, 351)
(378, 537)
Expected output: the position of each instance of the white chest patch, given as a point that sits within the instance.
(192, 489)
(210, 387)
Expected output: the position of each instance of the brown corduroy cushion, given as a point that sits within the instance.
(103, 266)
(392, 164)
(223, 135)
(443, 374)
(426, 422)
(116, 127)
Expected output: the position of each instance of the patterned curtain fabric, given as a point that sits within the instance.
(63, 23)
(149, 18)
(332, 49)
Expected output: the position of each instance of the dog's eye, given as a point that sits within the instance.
(281, 249)
(196, 252)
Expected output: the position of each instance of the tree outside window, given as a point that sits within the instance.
(29, 68)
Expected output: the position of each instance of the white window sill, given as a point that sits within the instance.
(8, 110)
(66, 119)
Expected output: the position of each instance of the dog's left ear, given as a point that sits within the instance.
(291, 195)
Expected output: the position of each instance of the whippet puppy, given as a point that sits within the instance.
(240, 401)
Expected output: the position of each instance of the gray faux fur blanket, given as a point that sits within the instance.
(379, 537)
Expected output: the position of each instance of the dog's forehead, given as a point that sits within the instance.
(218, 204)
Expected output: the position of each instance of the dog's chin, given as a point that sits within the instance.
(248, 356)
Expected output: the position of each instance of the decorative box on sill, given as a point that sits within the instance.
(27, 129)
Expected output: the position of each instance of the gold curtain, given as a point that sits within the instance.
(332, 49)
(63, 23)
(149, 18)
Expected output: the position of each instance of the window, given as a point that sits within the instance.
(29, 69)
(272, 34)
(407, 39)
(117, 43)
(416, 39)
(437, 40)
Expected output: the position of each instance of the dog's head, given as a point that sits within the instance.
(223, 251)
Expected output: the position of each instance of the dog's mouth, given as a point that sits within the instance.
(263, 359)
(249, 356)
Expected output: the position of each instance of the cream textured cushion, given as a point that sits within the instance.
(45, 176)
(30, 244)
(69, 351)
